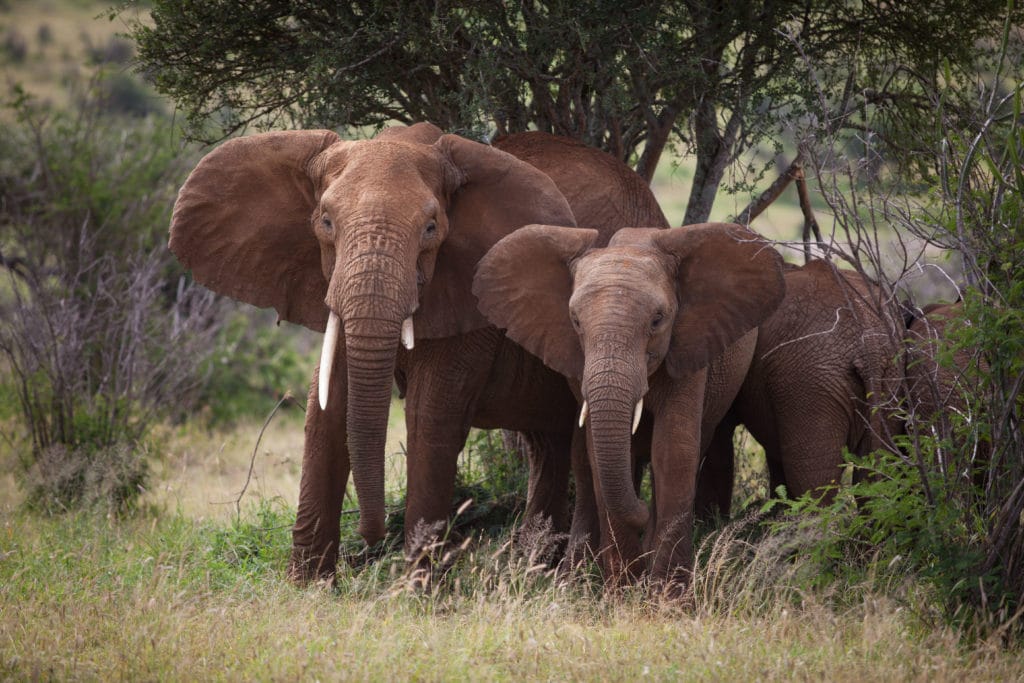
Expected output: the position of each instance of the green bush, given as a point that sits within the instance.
(945, 508)
(255, 363)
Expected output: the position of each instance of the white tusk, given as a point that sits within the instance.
(636, 415)
(407, 335)
(583, 413)
(327, 357)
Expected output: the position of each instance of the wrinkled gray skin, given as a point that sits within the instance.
(641, 319)
(382, 231)
(825, 376)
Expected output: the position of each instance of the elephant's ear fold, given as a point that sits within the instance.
(422, 133)
(241, 223)
(729, 281)
(491, 194)
(523, 285)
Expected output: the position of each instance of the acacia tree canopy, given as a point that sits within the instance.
(712, 76)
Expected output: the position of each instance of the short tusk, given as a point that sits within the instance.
(636, 415)
(327, 357)
(583, 413)
(407, 335)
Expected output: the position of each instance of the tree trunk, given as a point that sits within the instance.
(714, 151)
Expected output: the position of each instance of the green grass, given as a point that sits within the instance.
(171, 597)
(185, 590)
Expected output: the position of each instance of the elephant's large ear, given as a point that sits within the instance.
(241, 223)
(523, 285)
(493, 194)
(729, 281)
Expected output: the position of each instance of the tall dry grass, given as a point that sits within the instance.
(173, 598)
(188, 591)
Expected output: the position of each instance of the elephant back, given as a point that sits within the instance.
(604, 193)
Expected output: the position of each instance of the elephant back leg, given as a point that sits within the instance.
(547, 496)
(445, 379)
(717, 471)
(325, 470)
(811, 441)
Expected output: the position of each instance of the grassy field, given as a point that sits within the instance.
(185, 589)
(48, 44)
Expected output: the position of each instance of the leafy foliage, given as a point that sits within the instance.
(716, 78)
(254, 364)
(946, 504)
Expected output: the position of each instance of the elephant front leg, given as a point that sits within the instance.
(675, 456)
(325, 470)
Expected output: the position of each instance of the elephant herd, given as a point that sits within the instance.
(534, 285)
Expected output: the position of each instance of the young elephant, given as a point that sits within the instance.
(634, 327)
(825, 376)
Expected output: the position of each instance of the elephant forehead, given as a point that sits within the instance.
(618, 265)
(386, 164)
(628, 272)
(639, 238)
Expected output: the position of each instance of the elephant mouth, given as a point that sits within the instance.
(637, 412)
(330, 347)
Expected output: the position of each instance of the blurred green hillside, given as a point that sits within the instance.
(50, 48)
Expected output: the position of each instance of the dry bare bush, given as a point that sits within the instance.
(101, 334)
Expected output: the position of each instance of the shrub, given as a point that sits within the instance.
(126, 94)
(115, 51)
(255, 364)
(102, 333)
(936, 507)
(15, 46)
(44, 34)
(63, 477)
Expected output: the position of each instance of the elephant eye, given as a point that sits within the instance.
(430, 229)
(575, 320)
(328, 226)
(657, 319)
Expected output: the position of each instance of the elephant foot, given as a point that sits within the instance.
(579, 555)
(621, 570)
(431, 550)
(538, 539)
(674, 593)
(307, 565)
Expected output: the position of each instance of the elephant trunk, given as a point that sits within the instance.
(376, 308)
(371, 369)
(613, 401)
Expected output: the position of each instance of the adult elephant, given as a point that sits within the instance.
(825, 377)
(635, 326)
(377, 240)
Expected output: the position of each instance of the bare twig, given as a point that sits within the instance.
(810, 223)
(252, 460)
